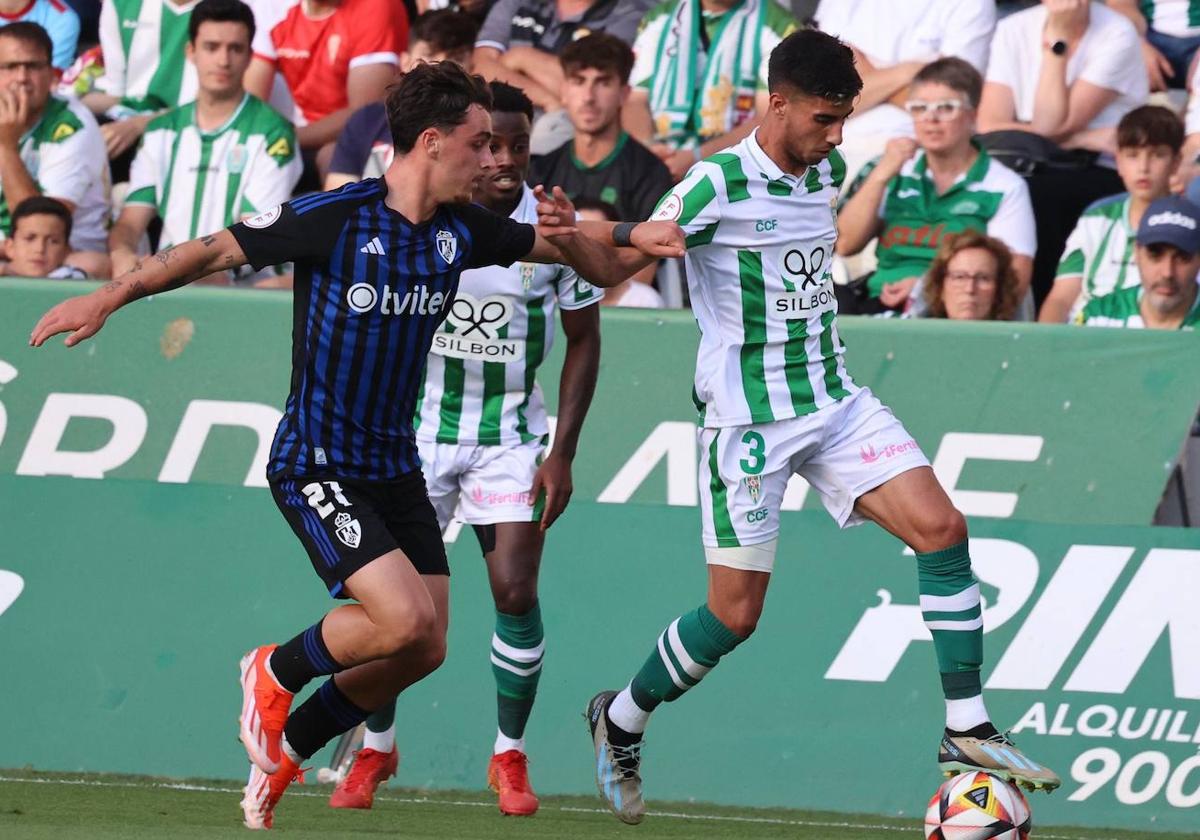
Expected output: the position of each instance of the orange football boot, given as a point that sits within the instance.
(263, 790)
(371, 768)
(508, 775)
(265, 706)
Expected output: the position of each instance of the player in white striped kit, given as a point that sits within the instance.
(775, 399)
(482, 433)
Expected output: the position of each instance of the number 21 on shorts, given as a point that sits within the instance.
(316, 497)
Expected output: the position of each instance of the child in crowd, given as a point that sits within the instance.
(1099, 255)
(39, 240)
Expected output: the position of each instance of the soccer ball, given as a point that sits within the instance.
(977, 806)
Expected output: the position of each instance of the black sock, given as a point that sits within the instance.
(297, 662)
(320, 719)
(983, 731)
(617, 736)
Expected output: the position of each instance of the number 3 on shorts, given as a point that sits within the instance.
(756, 449)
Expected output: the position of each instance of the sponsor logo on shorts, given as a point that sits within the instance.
(482, 496)
(477, 325)
(347, 529)
(870, 454)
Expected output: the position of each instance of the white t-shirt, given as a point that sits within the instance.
(640, 296)
(1109, 57)
(1191, 119)
(888, 32)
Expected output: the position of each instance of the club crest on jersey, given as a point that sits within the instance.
(447, 245)
(753, 487)
(236, 159)
(347, 529)
(527, 270)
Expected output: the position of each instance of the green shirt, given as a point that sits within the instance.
(987, 197)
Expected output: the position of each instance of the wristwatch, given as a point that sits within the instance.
(1058, 47)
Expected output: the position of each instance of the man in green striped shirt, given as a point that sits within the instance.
(207, 164)
(775, 400)
(145, 69)
(1168, 257)
(482, 433)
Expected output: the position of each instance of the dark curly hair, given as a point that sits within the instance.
(1004, 304)
(435, 95)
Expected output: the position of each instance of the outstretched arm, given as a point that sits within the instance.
(169, 269)
(589, 248)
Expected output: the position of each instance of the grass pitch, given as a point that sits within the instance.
(58, 806)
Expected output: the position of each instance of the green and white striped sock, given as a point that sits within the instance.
(951, 609)
(686, 651)
(517, 651)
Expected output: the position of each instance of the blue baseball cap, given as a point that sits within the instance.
(1171, 220)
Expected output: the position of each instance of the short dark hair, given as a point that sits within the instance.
(598, 51)
(1150, 125)
(220, 11)
(41, 205)
(510, 99)
(812, 62)
(445, 30)
(955, 74)
(31, 33)
(585, 203)
(433, 95)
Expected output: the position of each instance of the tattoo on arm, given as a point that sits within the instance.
(208, 240)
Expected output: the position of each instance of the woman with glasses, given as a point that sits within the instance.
(971, 279)
(922, 190)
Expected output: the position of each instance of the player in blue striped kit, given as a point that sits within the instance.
(376, 266)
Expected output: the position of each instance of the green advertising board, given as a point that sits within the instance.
(1024, 421)
(140, 556)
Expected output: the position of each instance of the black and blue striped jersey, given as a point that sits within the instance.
(370, 289)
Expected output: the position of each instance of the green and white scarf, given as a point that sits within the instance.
(686, 106)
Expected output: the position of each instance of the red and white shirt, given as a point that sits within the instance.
(315, 54)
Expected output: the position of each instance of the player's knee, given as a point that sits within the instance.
(516, 597)
(409, 629)
(942, 531)
(434, 653)
(740, 618)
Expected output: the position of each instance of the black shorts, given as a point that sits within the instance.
(345, 523)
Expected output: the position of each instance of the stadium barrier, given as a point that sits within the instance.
(124, 602)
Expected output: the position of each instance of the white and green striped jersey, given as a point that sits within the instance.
(1100, 250)
(64, 154)
(143, 44)
(759, 251)
(1123, 308)
(202, 181)
(480, 383)
(1180, 18)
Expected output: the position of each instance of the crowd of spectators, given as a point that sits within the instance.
(1007, 159)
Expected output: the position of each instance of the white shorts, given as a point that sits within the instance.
(486, 484)
(843, 451)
